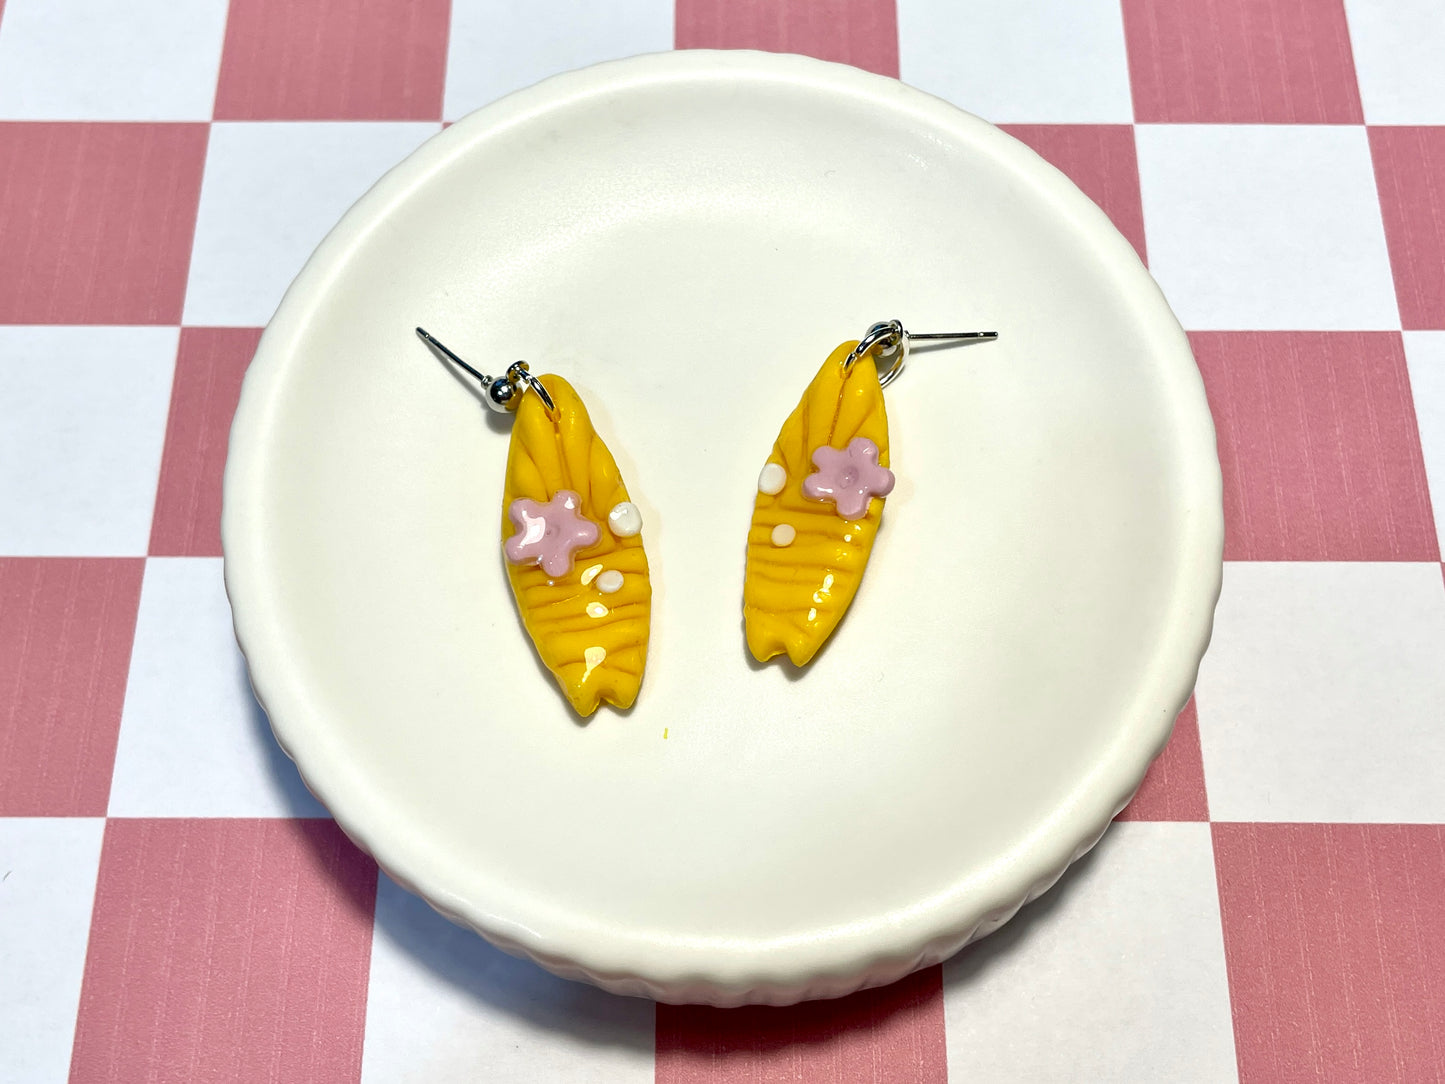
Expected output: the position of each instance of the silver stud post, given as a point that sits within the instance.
(503, 393)
(889, 341)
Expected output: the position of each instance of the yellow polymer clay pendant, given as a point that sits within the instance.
(572, 541)
(820, 496)
(818, 509)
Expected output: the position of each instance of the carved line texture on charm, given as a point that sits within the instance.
(561, 484)
(796, 592)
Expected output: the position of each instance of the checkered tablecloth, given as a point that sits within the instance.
(175, 907)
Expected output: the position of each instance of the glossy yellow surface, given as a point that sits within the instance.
(595, 644)
(795, 595)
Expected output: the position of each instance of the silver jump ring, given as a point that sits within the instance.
(890, 336)
(518, 371)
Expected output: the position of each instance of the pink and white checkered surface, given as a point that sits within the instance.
(175, 907)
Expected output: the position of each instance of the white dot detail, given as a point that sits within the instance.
(772, 479)
(625, 519)
(596, 609)
(610, 582)
(783, 534)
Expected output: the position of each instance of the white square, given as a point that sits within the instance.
(445, 1007)
(1117, 974)
(82, 424)
(1322, 696)
(1264, 227)
(1398, 47)
(47, 886)
(193, 740)
(1015, 63)
(1425, 355)
(271, 192)
(498, 46)
(102, 60)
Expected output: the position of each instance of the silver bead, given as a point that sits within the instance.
(503, 395)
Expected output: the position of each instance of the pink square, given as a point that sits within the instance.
(863, 33)
(890, 1034)
(333, 60)
(1319, 446)
(226, 950)
(97, 220)
(1241, 62)
(1409, 163)
(209, 367)
(1173, 789)
(1101, 160)
(1334, 937)
(66, 627)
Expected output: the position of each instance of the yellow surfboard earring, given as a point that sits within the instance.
(571, 539)
(820, 497)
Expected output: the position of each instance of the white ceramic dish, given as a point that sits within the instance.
(685, 237)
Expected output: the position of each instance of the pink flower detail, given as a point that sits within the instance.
(849, 477)
(547, 534)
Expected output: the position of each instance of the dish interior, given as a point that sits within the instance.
(686, 250)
